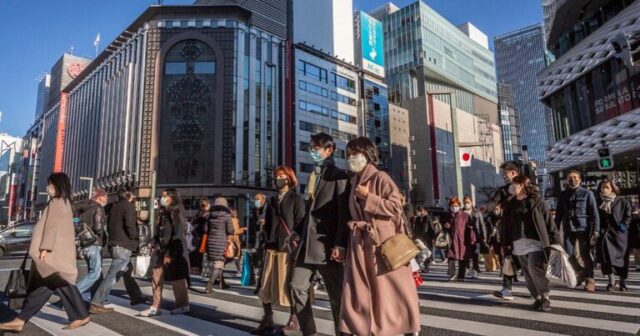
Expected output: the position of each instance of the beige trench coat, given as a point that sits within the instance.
(54, 232)
(375, 300)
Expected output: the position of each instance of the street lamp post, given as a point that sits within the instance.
(90, 179)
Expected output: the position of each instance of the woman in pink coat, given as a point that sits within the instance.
(375, 300)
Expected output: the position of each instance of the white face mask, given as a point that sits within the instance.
(455, 209)
(164, 201)
(51, 190)
(357, 163)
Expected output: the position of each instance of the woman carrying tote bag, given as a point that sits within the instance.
(53, 252)
(375, 299)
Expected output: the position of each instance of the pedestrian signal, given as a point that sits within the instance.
(605, 160)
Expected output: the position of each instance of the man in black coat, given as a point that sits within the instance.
(323, 235)
(123, 240)
(577, 214)
(92, 214)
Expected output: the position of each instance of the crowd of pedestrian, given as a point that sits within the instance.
(336, 230)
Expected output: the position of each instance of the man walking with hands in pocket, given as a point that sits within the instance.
(322, 238)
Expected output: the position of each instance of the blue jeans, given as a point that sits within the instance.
(121, 258)
(93, 256)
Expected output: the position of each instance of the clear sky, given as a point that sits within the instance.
(35, 33)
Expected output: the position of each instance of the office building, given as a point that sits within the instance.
(440, 72)
(43, 94)
(326, 96)
(509, 123)
(400, 147)
(190, 94)
(326, 26)
(520, 55)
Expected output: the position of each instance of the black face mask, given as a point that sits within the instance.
(280, 183)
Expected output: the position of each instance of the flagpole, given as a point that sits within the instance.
(96, 43)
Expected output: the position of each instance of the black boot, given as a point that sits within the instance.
(266, 324)
(214, 275)
(623, 285)
(222, 284)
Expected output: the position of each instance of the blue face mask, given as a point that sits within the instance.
(257, 203)
(315, 155)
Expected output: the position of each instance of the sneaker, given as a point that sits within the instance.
(504, 294)
(472, 274)
(181, 310)
(545, 305)
(151, 311)
(455, 277)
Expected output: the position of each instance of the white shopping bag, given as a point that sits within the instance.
(141, 266)
(560, 269)
(415, 267)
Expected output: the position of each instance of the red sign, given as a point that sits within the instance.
(62, 121)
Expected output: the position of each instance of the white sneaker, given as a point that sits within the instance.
(181, 310)
(472, 274)
(151, 311)
(504, 294)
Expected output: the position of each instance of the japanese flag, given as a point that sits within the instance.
(465, 156)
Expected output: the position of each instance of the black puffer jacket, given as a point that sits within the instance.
(219, 227)
(92, 214)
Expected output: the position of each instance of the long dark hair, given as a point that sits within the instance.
(60, 181)
(176, 208)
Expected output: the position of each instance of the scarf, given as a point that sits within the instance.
(606, 202)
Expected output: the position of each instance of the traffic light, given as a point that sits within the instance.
(605, 160)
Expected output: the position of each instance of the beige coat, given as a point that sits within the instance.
(54, 232)
(376, 300)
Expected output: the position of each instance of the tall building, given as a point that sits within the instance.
(326, 26)
(43, 95)
(441, 73)
(520, 55)
(400, 147)
(508, 122)
(593, 89)
(326, 96)
(374, 116)
(191, 94)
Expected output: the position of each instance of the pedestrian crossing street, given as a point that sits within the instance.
(447, 308)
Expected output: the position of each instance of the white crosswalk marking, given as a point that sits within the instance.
(447, 308)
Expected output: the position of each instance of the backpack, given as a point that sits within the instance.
(83, 225)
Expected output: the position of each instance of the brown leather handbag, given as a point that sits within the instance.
(398, 250)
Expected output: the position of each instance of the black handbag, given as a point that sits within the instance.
(17, 285)
(85, 235)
